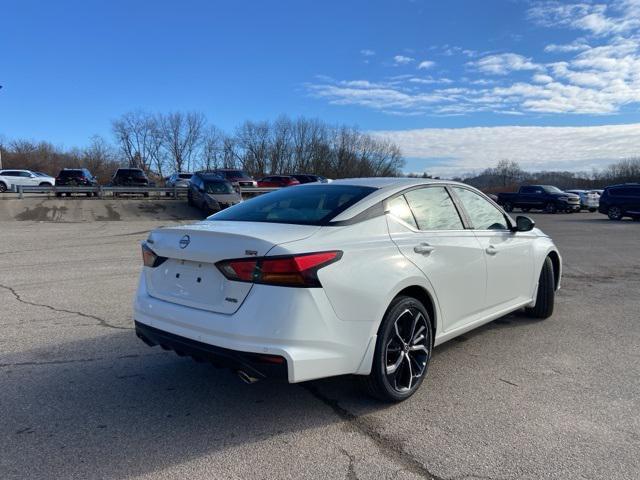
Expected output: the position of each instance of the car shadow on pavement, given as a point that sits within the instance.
(120, 409)
(128, 410)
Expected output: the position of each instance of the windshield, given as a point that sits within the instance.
(308, 205)
(218, 187)
(551, 189)
(233, 173)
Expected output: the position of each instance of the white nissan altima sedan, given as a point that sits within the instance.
(359, 276)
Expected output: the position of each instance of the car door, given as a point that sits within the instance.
(427, 228)
(508, 255)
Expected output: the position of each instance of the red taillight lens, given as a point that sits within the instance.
(292, 270)
(149, 258)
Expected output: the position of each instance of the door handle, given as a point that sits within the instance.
(424, 248)
(491, 250)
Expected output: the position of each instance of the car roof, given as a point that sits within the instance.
(211, 177)
(388, 182)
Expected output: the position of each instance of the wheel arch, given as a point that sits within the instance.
(420, 293)
(555, 261)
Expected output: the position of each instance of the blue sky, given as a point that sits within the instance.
(449, 81)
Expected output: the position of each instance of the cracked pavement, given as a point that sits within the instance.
(82, 397)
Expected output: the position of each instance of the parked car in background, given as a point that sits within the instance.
(589, 199)
(619, 201)
(27, 178)
(129, 177)
(360, 276)
(239, 178)
(309, 178)
(277, 181)
(76, 177)
(179, 180)
(540, 197)
(210, 193)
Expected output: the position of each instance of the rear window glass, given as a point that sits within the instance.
(218, 187)
(308, 205)
(71, 173)
(625, 191)
(130, 172)
(185, 176)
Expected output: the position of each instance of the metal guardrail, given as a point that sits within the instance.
(101, 192)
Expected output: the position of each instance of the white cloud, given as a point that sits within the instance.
(575, 46)
(403, 60)
(466, 150)
(542, 78)
(504, 63)
(367, 53)
(425, 64)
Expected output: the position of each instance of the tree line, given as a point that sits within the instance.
(162, 144)
(507, 175)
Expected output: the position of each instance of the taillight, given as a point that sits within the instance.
(290, 270)
(149, 257)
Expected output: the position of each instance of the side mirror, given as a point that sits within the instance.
(523, 224)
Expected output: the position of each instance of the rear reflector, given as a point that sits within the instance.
(291, 270)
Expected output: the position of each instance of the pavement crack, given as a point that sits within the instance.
(508, 382)
(386, 445)
(101, 321)
(351, 471)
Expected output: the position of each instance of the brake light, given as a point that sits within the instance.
(290, 270)
(149, 257)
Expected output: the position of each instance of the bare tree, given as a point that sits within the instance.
(138, 137)
(182, 135)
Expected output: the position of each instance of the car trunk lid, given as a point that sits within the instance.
(189, 276)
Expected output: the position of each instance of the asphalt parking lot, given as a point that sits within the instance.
(82, 397)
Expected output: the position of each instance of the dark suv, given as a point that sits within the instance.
(238, 178)
(129, 177)
(76, 177)
(619, 201)
(211, 193)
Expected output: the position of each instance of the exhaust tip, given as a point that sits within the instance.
(246, 378)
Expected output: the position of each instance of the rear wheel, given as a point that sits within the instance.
(592, 209)
(508, 206)
(402, 353)
(615, 213)
(550, 208)
(546, 292)
(3, 187)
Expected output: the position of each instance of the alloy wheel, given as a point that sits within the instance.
(407, 351)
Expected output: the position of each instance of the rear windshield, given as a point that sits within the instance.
(218, 187)
(70, 173)
(185, 176)
(130, 172)
(307, 205)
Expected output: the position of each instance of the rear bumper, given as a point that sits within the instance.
(256, 365)
(298, 324)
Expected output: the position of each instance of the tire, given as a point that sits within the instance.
(3, 187)
(508, 206)
(614, 213)
(525, 210)
(405, 342)
(190, 201)
(546, 292)
(145, 195)
(45, 184)
(550, 208)
(592, 209)
(58, 194)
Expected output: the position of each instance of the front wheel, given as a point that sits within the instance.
(3, 187)
(546, 292)
(402, 353)
(550, 208)
(615, 213)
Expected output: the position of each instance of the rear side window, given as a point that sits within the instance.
(399, 208)
(308, 205)
(433, 209)
(625, 192)
(483, 215)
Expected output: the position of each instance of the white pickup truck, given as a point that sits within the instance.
(8, 178)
